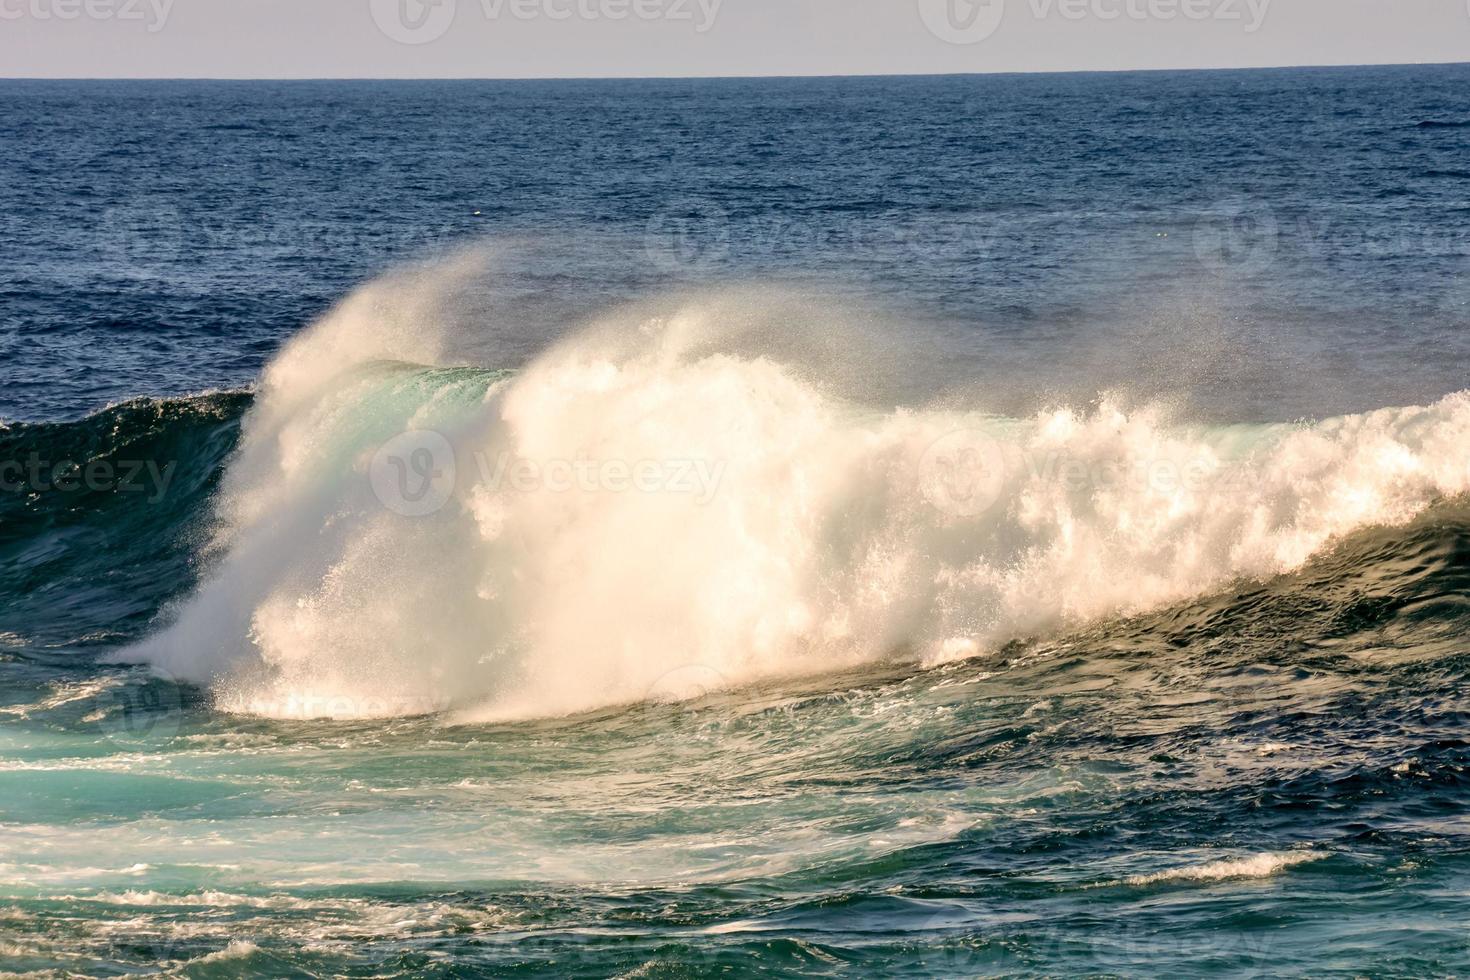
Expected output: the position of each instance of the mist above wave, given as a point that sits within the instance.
(702, 490)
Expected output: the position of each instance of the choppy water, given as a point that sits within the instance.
(1049, 555)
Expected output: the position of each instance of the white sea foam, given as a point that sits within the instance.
(202, 899)
(1252, 866)
(835, 532)
(64, 693)
(236, 950)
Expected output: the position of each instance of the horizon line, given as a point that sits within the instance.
(738, 77)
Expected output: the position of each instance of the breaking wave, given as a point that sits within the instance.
(697, 492)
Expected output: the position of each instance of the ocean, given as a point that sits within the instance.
(846, 527)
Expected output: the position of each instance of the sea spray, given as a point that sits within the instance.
(369, 560)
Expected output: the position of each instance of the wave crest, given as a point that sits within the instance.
(655, 498)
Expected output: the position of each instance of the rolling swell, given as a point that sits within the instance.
(93, 566)
(810, 533)
(1382, 582)
(96, 515)
(1152, 781)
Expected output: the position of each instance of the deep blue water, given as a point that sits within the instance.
(1197, 736)
(163, 236)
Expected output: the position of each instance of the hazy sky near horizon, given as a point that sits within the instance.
(571, 38)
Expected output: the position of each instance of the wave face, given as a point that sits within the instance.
(98, 517)
(681, 496)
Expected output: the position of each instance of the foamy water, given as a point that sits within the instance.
(655, 501)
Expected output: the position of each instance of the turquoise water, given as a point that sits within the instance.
(943, 824)
(1265, 781)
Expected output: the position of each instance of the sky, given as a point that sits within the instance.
(609, 38)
